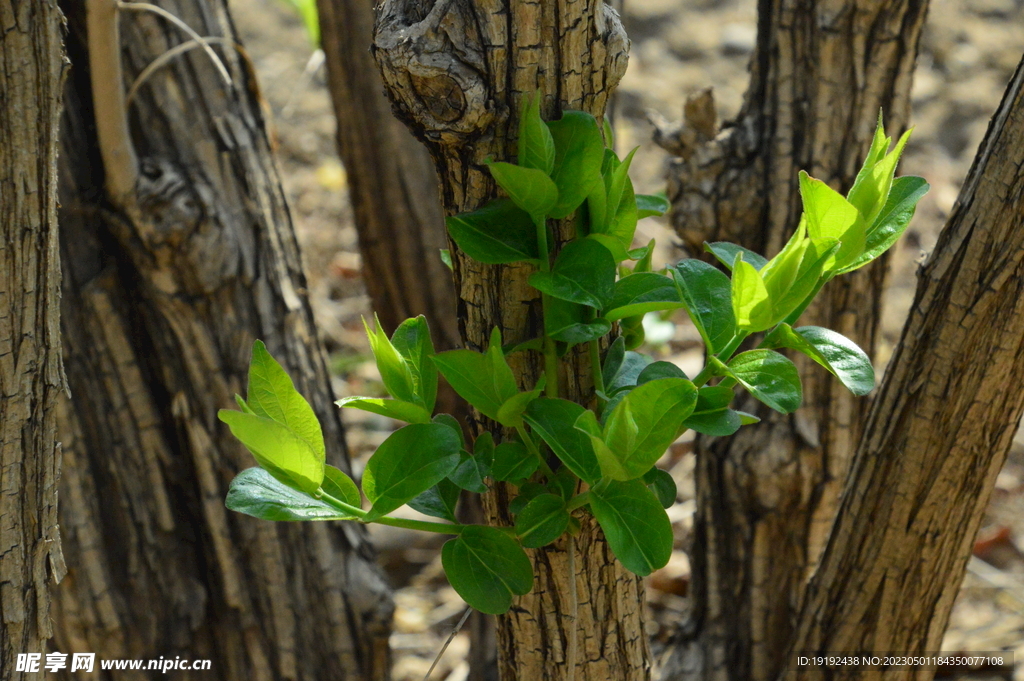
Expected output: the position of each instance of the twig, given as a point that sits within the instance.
(167, 56)
(451, 637)
(204, 42)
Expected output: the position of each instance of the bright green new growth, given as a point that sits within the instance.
(563, 457)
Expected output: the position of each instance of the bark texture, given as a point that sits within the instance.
(167, 287)
(820, 73)
(456, 71)
(940, 429)
(31, 375)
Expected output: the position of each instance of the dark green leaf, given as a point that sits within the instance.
(554, 420)
(453, 423)
(626, 373)
(657, 370)
(712, 415)
(637, 294)
(567, 322)
(584, 273)
(648, 205)
(769, 377)
(662, 485)
(612, 362)
(529, 188)
(409, 462)
(542, 521)
(527, 492)
(482, 379)
(512, 461)
(499, 233)
(256, 492)
(563, 483)
(834, 351)
(439, 501)
(707, 293)
(726, 254)
(487, 567)
(395, 409)
(636, 526)
(470, 473)
(579, 151)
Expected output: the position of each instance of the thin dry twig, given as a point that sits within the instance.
(451, 637)
(167, 56)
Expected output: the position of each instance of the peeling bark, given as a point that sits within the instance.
(456, 71)
(940, 430)
(31, 376)
(767, 496)
(166, 289)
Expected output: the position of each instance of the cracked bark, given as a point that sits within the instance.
(940, 430)
(456, 71)
(31, 375)
(166, 289)
(767, 496)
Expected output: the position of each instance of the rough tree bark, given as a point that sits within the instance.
(940, 429)
(767, 496)
(456, 71)
(31, 376)
(179, 251)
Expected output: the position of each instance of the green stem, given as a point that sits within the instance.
(532, 447)
(407, 523)
(595, 370)
(550, 360)
(724, 355)
(578, 501)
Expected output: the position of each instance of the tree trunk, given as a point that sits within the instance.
(175, 263)
(767, 496)
(456, 72)
(940, 429)
(31, 376)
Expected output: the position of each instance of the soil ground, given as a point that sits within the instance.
(968, 53)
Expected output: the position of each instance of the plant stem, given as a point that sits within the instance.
(550, 354)
(532, 447)
(407, 523)
(578, 501)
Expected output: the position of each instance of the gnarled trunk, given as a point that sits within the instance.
(820, 74)
(456, 72)
(180, 251)
(939, 432)
(31, 377)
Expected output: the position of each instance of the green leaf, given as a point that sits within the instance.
(622, 223)
(395, 409)
(656, 370)
(892, 220)
(644, 424)
(782, 270)
(834, 351)
(536, 146)
(529, 188)
(750, 302)
(497, 234)
(337, 484)
(453, 423)
(563, 483)
(273, 395)
(394, 370)
(612, 362)
(446, 258)
(542, 521)
(707, 294)
(727, 252)
(409, 462)
(483, 380)
(579, 151)
(242, 405)
(615, 181)
(816, 261)
(471, 472)
(636, 526)
(583, 273)
(874, 182)
(769, 377)
(644, 263)
(648, 205)
(439, 501)
(510, 414)
(567, 322)
(625, 373)
(276, 448)
(412, 341)
(527, 492)
(638, 294)
(747, 419)
(554, 420)
(487, 567)
(512, 461)
(662, 485)
(712, 415)
(830, 215)
(256, 492)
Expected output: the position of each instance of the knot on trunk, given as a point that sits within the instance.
(434, 68)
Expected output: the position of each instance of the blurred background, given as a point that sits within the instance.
(968, 53)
